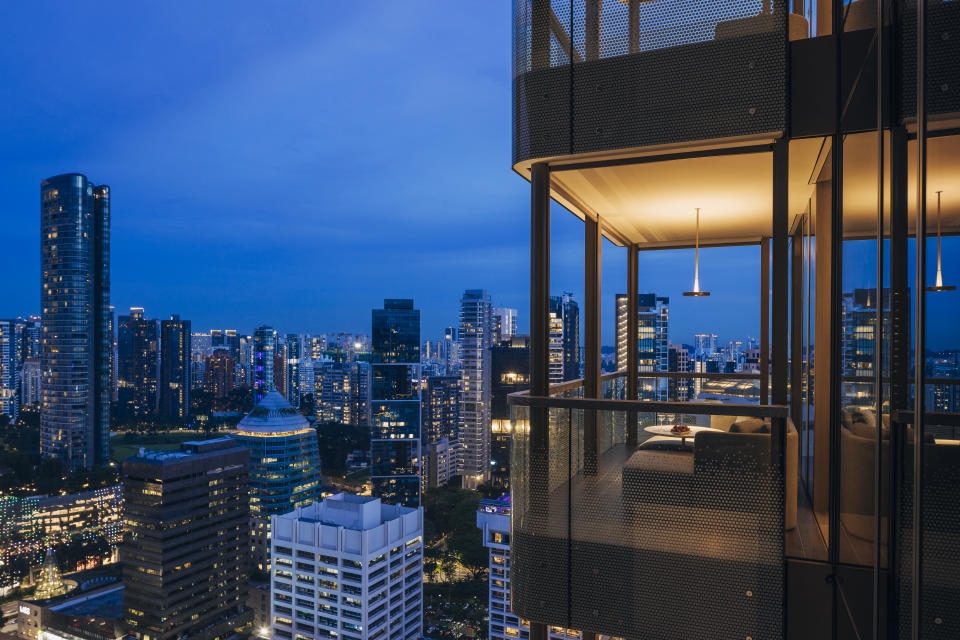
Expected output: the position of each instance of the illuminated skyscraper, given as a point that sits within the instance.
(476, 338)
(75, 281)
(264, 348)
(653, 341)
(9, 369)
(395, 403)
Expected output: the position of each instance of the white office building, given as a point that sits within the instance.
(349, 568)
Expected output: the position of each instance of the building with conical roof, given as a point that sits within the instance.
(284, 465)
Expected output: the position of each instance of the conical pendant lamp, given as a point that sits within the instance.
(696, 265)
(940, 286)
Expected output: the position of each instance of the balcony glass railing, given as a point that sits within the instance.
(683, 530)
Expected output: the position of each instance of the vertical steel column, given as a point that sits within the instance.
(633, 276)
(764, 320)
(539, 446)
(879, 338)
(920, 314)
(592, 241)
(781, 265)
(834, 311)
(899, 352)
(591, 27)
(796, 321)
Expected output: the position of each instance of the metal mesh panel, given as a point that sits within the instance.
(625, 73)
(680, 542)
(943, 52)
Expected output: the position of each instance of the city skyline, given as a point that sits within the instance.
(187, 250)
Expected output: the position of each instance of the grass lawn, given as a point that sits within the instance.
(128, 444)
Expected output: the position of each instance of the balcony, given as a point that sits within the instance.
(686, 536)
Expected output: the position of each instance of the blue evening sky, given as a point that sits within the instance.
(294, 163)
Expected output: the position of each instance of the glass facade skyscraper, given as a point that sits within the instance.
(75, 299)
(264, 348)
(476, 337)
(395, 403)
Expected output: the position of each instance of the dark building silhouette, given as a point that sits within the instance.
(395, 403)
(175, 368)
(75, 299)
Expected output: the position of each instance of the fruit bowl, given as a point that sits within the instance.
(680, 429)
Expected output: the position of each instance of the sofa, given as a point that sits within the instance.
(728, 469)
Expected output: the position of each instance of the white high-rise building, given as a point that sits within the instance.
(493, 519)
(349, 568)
(505, 320)
(476, 338)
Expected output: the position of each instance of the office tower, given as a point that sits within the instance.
(185, 551)
(284, 466)
(342, 392)
(30, 376)
(138, 366)
(505, 323)
(114, 359)
(220, 373)
(653, 326)
(75, 280)
(348, 567)
(564, 338)
(510, 373)
(476, 338)
(858, 342)
(9, 369)
(201, 346)
(228, 338)
(705, 345)
(264, 349)
(31, 333)
(680, 389)
(175, 368)
(294, 346)
(395, 403)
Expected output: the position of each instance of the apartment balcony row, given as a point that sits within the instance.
(602, 78)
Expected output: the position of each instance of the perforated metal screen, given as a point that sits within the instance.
(592, 75)
(681, 542)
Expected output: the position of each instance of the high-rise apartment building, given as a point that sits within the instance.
(564, 338)
(185, 551)
(10, 369)
(395, 403)
(76, 345)
(264, 350)
(175, 368)
(653, 341)
(349, 567)
(220, 373)
(228, 338)
(284, 466)
(441, 408)
(441, 426)
(138, 353)
(476, 338)
(449, 351)
(342, 392)
(680, 389)
(30, 376)
(505, 323)
(294, 344)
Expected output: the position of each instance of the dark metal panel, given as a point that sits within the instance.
(809, 596)
(780, 269)
(591, 337)
(764, 320)
(633, 276)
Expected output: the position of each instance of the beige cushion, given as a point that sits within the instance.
(722, 423)
(663, 461)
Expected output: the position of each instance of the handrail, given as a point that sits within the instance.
(522, 398)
